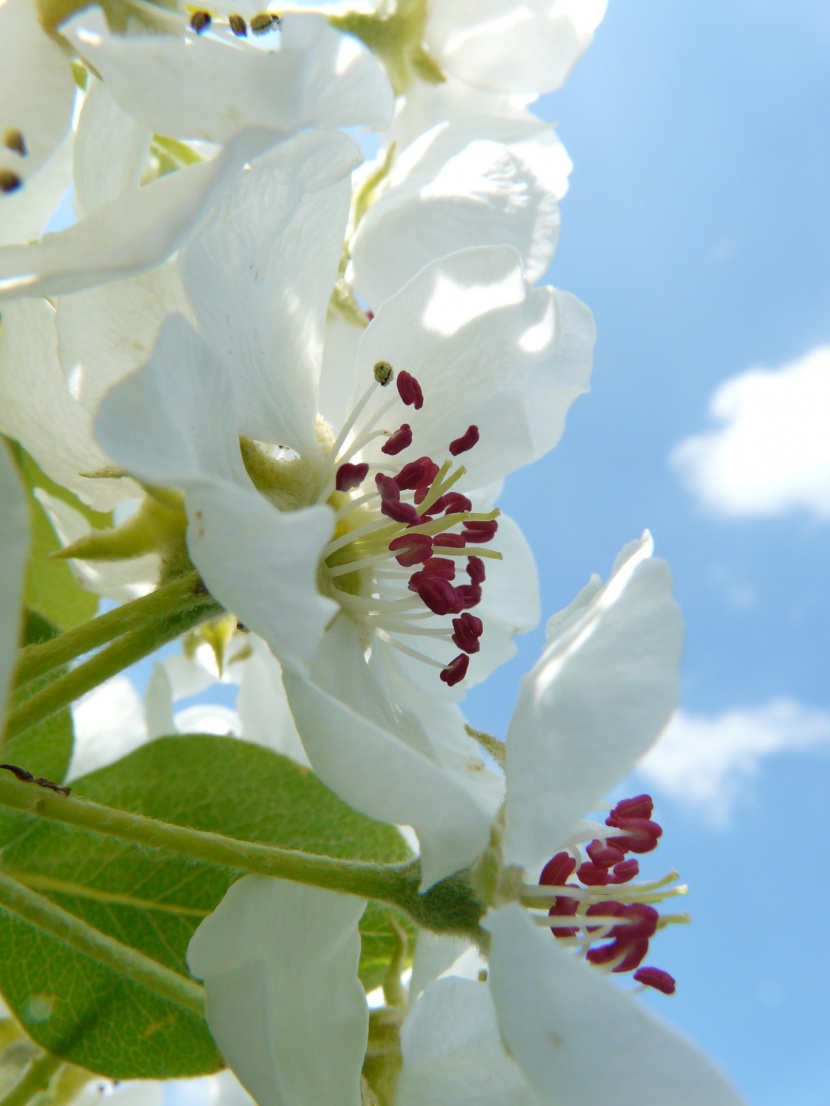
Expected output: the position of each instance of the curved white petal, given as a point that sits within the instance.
(109, 723)
(111, 150)
(37, 92)
(259, 278)
(512, 45)
(129, 234)
(473, 182)
(597, 698)
(453, 1054)
(210, 87)
(355, 736)
(578, 1039)
(263, 708)
(488, 350)
(38, 409)
(284, 1002)
(14, 545)
(24, 214)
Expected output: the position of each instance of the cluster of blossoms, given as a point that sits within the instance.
(302, 378)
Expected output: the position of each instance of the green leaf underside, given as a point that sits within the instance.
(152, 901)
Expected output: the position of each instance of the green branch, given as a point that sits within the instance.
(109, 662)
(138, 968)
(35, 1079)
(448, 907)
(186, 592)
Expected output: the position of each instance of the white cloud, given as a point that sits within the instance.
(706, 762)
(772, 452)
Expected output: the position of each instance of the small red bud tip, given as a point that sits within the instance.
(657, 978)
(456, 670)
(414, 549)
(465, 442)
(350, 476)
(409, 390)
(475, 570)
(399, 441)
(557, 871)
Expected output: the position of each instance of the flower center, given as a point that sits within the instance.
(606, 917)
(406, 558)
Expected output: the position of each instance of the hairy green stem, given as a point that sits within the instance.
(128, 649)
(35, 660)
(50, 918)
(447, 907)
(35, 1079)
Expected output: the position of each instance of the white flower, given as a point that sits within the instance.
(37, 94)
(215, 88)
(512, 45)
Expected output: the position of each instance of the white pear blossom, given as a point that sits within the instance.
(511, 45)
(217, 89)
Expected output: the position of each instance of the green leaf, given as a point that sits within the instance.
(153, 901)
(51, 589)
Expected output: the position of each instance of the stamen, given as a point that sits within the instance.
(410, 390)
(414, 549)
(475, 569)
(238, 25)
(350, 476)
(9, 181)
(465, 442)
(200, 21)
(13, 140)
(383, 372)
(657, 978)
(456, 670)
(264, 22)
(399, 441)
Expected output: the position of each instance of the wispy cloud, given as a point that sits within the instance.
(707, 762)
(771, 452)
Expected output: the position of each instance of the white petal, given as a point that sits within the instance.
(38, 409)
(434, 954)
(37, 91)
(578, 1039)
(110, 150)
(14, 544)
(210, 87)
(510, 46)
(260, 275)
(488, 350)
(129, 234)
(453, 1054)
(595, 701)
(262, 705)
(284, 1002)
(109, 723)
(355, 736)
(473, 182)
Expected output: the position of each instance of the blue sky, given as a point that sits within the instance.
(696, 228)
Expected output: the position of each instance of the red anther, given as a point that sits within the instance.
(640, 921)
(388, 488)
(468, 630)
(437, 594)
(451, 503)
(440, 566)
(609, 908)
(450, 541)
(657, 978)
(635, 954)
(557, 870)
(398, 441)
(456, 670)
(350, 476)
(370, 315)
(425, 487)
(479, 531)
(400, 512)
(603, 954)
(470, 595)
(564, 908)
(604, 856)
(641, 806)
(410, 391)
(591, 875)
(624, 872)
(415, 549)
(410, 476)
(640, 834)
(475, 570)
(465, 442)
